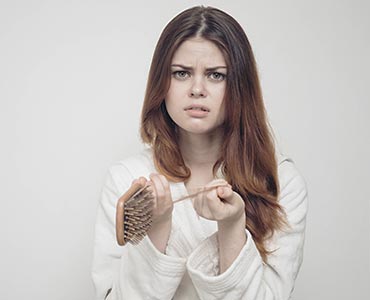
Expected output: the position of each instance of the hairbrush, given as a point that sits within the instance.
(134, 212)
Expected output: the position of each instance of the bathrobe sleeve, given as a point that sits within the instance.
(128, 272)
(249, 277)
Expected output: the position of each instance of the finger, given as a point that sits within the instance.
(225, 193)
(213, 200)
(158, 185)
(141, 182)
(149, 187)
(166, 186)
(217, 182)
(152, 183)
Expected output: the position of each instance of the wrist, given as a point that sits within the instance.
(162, 222)
(231, 238)
(232, 223)
(159, 233)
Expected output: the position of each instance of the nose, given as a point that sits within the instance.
(197, 89)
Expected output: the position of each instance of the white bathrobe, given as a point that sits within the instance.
(189, 269)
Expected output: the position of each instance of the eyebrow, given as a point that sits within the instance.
(190, 68)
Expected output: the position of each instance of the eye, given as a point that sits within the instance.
(217, 76)
(180, 74)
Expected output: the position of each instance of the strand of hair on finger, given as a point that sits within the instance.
(200, 191)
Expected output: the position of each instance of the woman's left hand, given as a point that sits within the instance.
(220, 204)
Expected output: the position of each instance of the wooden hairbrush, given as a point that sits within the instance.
(134, 212)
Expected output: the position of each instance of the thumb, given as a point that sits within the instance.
(225, 193)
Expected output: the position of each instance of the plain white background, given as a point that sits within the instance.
(72, 80)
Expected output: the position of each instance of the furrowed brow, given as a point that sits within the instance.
(190, 68)
(182, 67)
(216, 68)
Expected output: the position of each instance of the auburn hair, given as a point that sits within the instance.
(247, 158)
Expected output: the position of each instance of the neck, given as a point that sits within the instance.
(200, 150)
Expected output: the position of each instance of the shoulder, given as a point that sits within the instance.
(136, 163)
(132, 167)
(288, 171)
(293, 186)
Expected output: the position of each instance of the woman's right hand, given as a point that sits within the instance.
(162, 210)
(163, 205)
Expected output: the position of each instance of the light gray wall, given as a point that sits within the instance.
(72, 79)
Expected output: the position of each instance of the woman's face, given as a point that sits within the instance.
(194, 100)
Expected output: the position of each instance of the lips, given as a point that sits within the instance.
(197, 107)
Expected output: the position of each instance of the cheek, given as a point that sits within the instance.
(219, 92)
(176, 96)
(172, 94)
(221, 99)
(169, 99)
(176, 86)
(171, 106)
(222, 113)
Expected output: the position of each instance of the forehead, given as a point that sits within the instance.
(198, 50)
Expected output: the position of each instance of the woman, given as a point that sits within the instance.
(205, 122)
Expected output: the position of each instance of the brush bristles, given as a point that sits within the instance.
(138, 216)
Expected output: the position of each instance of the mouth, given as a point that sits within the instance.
(197, 108)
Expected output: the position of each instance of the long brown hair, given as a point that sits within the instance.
(247, 158)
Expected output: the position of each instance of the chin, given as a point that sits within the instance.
(200, 131)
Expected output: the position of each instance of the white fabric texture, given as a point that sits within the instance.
(189, 269)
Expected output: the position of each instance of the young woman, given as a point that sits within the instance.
(205, 122)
